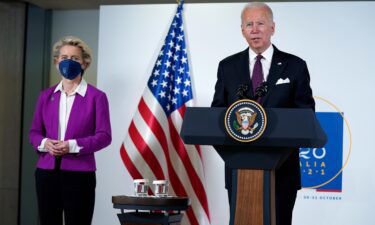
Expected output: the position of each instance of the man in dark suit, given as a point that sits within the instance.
(288, 83)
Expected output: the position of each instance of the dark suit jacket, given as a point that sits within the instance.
(234, 71)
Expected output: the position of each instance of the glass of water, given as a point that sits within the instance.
(160, 188)
(141, 187)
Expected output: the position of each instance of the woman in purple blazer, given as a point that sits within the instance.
(71, 122)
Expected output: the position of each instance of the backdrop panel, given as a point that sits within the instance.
(336, 40)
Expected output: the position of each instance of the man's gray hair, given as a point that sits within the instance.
(258, 5)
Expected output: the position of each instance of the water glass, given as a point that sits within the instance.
(160, 188)
(141, 187)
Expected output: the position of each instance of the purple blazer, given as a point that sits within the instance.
(88, 124)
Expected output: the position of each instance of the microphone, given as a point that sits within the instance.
(241, 91)
(261, 91)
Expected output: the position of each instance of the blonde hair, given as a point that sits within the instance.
(73, 41)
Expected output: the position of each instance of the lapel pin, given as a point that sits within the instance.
(279, 63)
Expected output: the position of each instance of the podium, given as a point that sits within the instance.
(253, 194)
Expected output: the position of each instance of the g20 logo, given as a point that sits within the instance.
(321, 168)
(312, 161)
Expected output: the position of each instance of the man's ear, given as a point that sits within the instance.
(242, 30)
(273, 28)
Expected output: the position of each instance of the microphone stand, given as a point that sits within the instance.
(261, 91)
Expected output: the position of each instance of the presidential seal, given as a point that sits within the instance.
(245, 120)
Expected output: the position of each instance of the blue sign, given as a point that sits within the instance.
(320, 167)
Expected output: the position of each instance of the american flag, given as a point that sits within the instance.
(153, 148)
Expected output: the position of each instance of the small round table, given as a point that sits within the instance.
(165, 211)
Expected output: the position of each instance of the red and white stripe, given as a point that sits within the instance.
(153, 149)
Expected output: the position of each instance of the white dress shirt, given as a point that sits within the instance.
(65, 106)
(266, 61)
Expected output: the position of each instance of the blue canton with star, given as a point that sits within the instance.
(170, 80)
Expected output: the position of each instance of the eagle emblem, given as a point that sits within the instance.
(245, 121)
